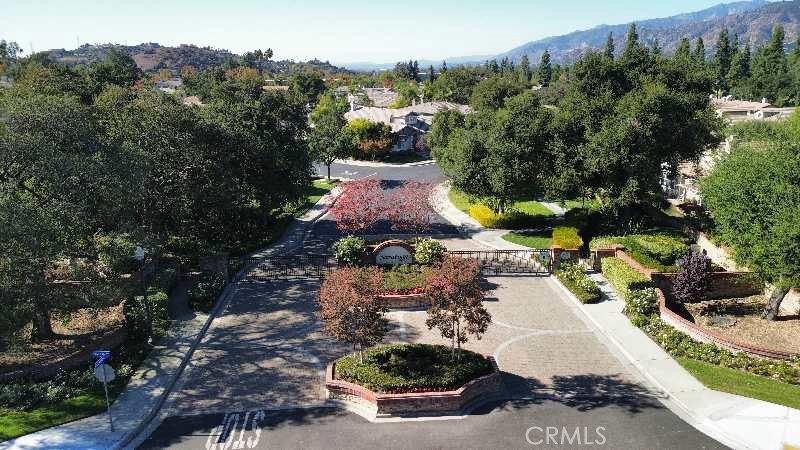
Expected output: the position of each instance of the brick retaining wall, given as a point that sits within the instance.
(414, 402)
(698, 333)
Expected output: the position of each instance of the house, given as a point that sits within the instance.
(168, 86)
(742, 110)
(410, 123)
(381, 97)
(683, 186)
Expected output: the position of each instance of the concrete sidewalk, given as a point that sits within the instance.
(736, 421)
(149, 387)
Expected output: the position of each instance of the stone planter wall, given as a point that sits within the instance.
(700, 334)
(408, 301)
(415, 402)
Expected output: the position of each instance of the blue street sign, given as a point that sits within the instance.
(102, 356)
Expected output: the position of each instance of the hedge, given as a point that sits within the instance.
(412, 368)
(510, 220)
(656, 249)
(567, 238)
(623, 277)
(573, 277)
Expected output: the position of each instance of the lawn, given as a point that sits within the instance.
(318, 190)
(19, 423)
(462, 201)
(741, 383)
(542, 239)
(402, 158)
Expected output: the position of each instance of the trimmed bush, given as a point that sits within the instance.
(204, 294)
(575, 279)
(136, 312)
(350, 250)
(657, 249)
(567, 238)
(412, 368)
(510, 220)
(405, 279)
(623, 277)
(429, 251)
(641, 302)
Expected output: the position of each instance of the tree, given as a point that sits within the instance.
(544, 73)
(739, 73)
(372, 139)
(350, 308)
(770, 70)
(117, 68)
(456, 301)
(608, 51)
(492, 93)
(431, 73)
(684, 51)
(699, 52)
(444, 123)
(525, 70)
(444, 67)
(306, 87)
(754, 196)
(722, 59)
(454, 85)
(359, 207)
(409, 209)
(328, 139)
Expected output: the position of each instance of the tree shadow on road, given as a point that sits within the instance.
(583, 392)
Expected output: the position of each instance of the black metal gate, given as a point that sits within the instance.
(506, 262)
(285, 267)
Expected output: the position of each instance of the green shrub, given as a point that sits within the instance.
(693, 280)
(575, 279)
(642, 302)
(656, 249)
(205, 292)
(567, 238)
(350, 250)
(678, 344)
(510, 220)
(405, 277)
(623, 277)
(137, 309)
(412, 367)
(429, 251)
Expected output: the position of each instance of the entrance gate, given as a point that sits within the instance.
(508, 262)
(285, 267)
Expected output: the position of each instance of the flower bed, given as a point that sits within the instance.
(412, 378)
(573, 277)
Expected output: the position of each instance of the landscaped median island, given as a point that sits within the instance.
(518, 215)
(405, 379)
(412, 378)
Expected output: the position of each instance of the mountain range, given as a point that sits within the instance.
(750, 19)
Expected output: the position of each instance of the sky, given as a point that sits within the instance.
(340, 31)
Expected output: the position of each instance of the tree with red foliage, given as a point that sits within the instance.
(456, 301)
(350, 308)
(410, 211)
(359, 207)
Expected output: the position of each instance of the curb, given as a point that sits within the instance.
(353, 162)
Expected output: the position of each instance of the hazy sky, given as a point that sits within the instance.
(339, 31)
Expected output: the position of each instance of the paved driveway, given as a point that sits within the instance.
(265, 356)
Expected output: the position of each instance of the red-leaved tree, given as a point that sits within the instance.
(350, 308)
(359, 207)
(410, 211)
(457, 301)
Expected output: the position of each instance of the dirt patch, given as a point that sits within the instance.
(81, 333)
(749, 327)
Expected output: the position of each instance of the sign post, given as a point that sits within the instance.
(105, 374)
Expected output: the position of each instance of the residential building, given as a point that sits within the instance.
(410, 123)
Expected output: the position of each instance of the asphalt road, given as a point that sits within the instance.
(573, 423)
(428, 172)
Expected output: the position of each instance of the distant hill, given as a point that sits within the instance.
(423, 63)
(153, 57)
(753, 20)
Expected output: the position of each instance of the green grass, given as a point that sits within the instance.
(402, 158)
(533, 240)
(19, 423)
(318, 190)
(740, 383)
(462, 201)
